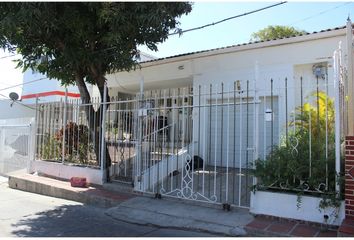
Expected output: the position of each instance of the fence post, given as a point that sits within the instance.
(64, 125)
(2, 144)
(30, 147)
(137, 161)
(337, 114)
(103, 131)
(256, 120)
(35, 130)
(350, 86)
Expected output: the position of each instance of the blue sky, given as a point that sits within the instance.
(309, 16)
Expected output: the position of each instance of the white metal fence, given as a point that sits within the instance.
(16, 144)
(196, 145)
(202, 142)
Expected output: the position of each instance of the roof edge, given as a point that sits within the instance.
(247, 46)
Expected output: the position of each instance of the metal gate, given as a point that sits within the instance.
(197, 143)
(15, 148)
(121, 137)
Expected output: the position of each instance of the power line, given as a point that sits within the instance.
(6, 84)
(180, 31)
(320, 13)
(24, 105)
(21, 84)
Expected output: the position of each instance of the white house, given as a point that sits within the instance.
(258, 62)
(228, 106)
(190, 126)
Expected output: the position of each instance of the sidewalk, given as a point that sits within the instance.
(169, 212)
(172, 213)
(278, 227)
(142, 210)
(62, 189)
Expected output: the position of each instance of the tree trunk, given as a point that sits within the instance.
(101, 85)
(94, 119)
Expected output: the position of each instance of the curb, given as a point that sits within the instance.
(231, 231)
(89, 196)
(150, 212)
(100, 197)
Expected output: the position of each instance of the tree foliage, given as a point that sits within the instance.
(83, 41)
(275, 32)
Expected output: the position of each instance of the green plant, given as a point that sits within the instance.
(329, 200)
(81, 42)
(303, 162)
(299, 200)
(77, 145)
(49, 149)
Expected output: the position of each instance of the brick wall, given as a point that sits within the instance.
(349, 177)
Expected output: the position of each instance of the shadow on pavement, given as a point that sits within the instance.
(75, 221)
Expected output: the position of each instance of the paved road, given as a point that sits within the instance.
(24, 214)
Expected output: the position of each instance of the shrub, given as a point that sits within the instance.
(300, 163)
(77, 146)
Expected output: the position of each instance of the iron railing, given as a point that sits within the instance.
(204, 142)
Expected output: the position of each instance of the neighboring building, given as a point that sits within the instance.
(47, 90)
(36, 85)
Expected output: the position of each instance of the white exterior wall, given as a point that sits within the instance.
(234, 63)
(286, 206)
(287, 61)
(14, 111)
(64, 171)
(45, 85)
(277, 62)
(155, 77)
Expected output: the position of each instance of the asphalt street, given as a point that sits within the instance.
(24, 214)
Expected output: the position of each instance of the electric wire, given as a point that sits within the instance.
(15, 101)
(320, 13)
(21, 84)
(180, 32)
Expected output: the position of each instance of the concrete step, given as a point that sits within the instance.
(92, 195)
(118, 186)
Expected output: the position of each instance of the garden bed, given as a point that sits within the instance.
(287, 205)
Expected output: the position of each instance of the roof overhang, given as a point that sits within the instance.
(248, 46)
